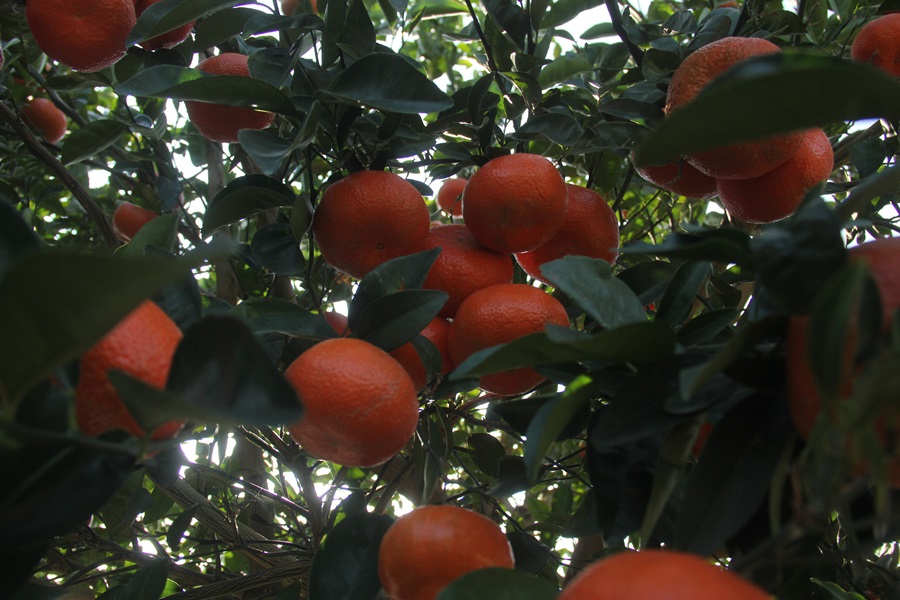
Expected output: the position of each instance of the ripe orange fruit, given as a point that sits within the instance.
(590, 229)
(499, 314)
(360, 404)
(777, 194)
(878, 44)
(289, 7)
(737, 161)
(515, 203)
(170, 39)
(141, 345)
(367, 218)
(680, 178)
(87, 35)
(49, 120)
(128, 219)
(427, 549)
(218, 122)
(463, 266)
(668, 574)
(449, 197)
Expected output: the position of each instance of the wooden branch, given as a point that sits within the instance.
(284, 573)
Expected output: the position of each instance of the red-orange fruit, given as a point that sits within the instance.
(777, 194)
(49, 120)
(680, 178)
(498, 314)
(128, 219)
(463, 266)
(878, 44)
(590, 229)
(219, 122)
(449, 196)
(367, 218)
(169, 39)
(515, 202)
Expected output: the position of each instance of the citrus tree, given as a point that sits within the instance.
(276, 275)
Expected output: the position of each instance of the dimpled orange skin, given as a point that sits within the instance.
(128, 219)
(219, 122)
(360, 406)
(777, 194)
(498, 314)
(86, 35)
(449, 196)
(427, 549)
(170, 39)
(515, 203)
(367, 218)
(659, 575)
(680, 178)
(590, 229)
(878, 44)
(463, 266)
(49, 120)
(141, 345)
(737, 161)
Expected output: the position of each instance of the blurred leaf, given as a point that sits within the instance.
(161, 232)
(90, 140)
(16, 236)
(499, 584)
(243, 197)
(166, 15)
(881, 183)
(835, 591)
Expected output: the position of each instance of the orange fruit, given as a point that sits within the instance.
(499, 314)
(289, 7)
(590, 229)
(219, 122)
(170, 39)
(680, 178)
(338, 322)
(360, 404)
(777, 194)
(738, 161)
(49, 120)
(367, 218)
(141, 345)
(426, 549)
(128, 219)
(878, 44)
(87, 35)
(463, 266)
(449, 197)
(663, 574)
(515, 202)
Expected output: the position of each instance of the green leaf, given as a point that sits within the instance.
(391, 83)
(90, 140)
(267, 149)
(243, 197)
(345, 567)
(769, 95)
(499, 584)
(276, 249)
(486, 453)
(511, 18)
(559, 128)
(167, 15)
(274, 315)
(723, 245)
(835, 591)
(682, 291)
(221, 26)
(148, 583)
(706, 326)
(394, 319)
(563, 68)
(161, 232)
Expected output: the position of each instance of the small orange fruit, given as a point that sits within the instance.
(141, 345)
(427, 549)
(590, 229)
(87, 35)
(878, 44)
(737, 161)
(360, 404)
(680, 178)
(170, 39)
(367, 218)
(499, 314)
(219, 122)
(49, 120)
(668, 574)
(515, 202)
(449, 197)
(463, 266)
(777, 194)
(289, 7)
(128, 219)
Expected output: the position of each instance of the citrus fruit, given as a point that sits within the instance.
(738, 161)
(680, 178)
(367, 218)
(449, 197)
(169, 39)
(219, 122)
(141, 345)
(49, 120)
(777, 194)
(87, 35)
(590, 229)
(658, 574)
(878, 44)
(128, 219)
(463, 266)
(499, 314)
(360, 404)
(426, 549)
(515, 202)
(289, 7)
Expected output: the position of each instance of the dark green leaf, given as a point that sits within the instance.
(392, 320)
(723, 245)
(559, 128)
(563, 68)
(276, 249)
(499, 584)
(148, 583)
(511, 18)
(221, 26)
(179, 526)
(486, 453)
(682, 291)
(706, 326)
(161, 232)
(243, 197)
(273, 315)
(16, 236)
(267, 149)
(90, 140)
(167, 15)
